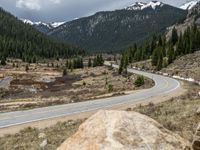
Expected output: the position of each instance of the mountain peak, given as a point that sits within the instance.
(142, 5)
(189, 5)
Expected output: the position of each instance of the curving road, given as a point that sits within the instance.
(162, 85)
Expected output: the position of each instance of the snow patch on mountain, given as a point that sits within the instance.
(49, 25)
(142, 5)
(189, 5)
(57, 24)
(27, 21)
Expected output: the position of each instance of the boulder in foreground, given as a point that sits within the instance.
(121, 130)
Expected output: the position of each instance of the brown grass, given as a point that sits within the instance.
(29, 137)
(178, 115)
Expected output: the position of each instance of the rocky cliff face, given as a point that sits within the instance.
(117, 130)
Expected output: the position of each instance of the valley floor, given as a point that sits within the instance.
(43, 86)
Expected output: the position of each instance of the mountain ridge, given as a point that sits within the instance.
(125, 27)
(42, 26)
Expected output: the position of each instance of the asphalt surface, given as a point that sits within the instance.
(163, 85)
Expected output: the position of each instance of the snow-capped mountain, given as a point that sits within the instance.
(189, 5)
(36, 23)
(142, 5)
(41, 26)
(118, 29)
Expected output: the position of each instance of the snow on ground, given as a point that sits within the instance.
(56, 24)
(189, 5)
(141, 5)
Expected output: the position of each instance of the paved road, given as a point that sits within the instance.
(162, 85)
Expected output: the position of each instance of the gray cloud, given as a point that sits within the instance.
(65, 10)
(28, 4)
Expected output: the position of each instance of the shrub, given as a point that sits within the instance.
(27, 68)
(65, 72)
(84, 83)
(139, 81)
(110, 88)
(3, 61)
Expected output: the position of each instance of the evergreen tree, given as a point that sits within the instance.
(121, 66)
(160, 41)
(126, 63)
(171, 55)
(155, 57)
(160, 62)
(174, 37)
(98, 61)
(3, 61)
(27, 68)
(95, 62)
(180, 47)
(34, 59)
(13, 65)
(65, 72)
(153, 44)
(89, 62)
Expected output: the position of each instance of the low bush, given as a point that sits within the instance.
(139, 81)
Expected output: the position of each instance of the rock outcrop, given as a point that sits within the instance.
(121, 130)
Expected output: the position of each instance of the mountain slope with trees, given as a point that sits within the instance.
(21, 40)
(163, 50)
(116, 30)
(192, 17)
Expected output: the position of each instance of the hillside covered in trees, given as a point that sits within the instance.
(21, 40)
(163, 52)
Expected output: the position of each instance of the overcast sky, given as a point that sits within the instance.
(65, 10)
